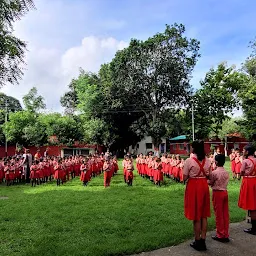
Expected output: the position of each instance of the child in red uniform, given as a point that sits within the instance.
(247, 198)
(33, 170)
(129, 173)
(85, 176)
(232, 157)
(238, 162)
(219, 181)
(106, 169)
(58, 175)
(197, 170)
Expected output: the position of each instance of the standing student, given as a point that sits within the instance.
(238, 162)
(129, 173)
(106, 169)
(197, 170)
(219, 181)
(247, 198)
(232, 157)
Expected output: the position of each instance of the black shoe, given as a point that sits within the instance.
(250, 231)
(196, 245)
(222, 240)
(203, 245)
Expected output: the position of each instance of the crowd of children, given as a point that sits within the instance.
(155, 168)
(46, 169)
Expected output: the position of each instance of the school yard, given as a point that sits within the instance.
(76, 220)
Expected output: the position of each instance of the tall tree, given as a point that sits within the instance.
(8, 105)
(12, 49)
(247, 95)
(33, 102)
(69, 100)
(153, 76)
(216, 99)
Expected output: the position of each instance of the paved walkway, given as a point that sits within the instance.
(241, 244)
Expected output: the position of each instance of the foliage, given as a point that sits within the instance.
(69, 100)
(216, 99)
(152, 76)
(14, 129)
(33, 102)
(229, 126)
(247, 95)
(12, 49)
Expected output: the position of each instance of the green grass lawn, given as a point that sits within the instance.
(77, 220)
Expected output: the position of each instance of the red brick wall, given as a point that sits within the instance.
(53, 150)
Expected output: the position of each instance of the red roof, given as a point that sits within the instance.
(235, 134)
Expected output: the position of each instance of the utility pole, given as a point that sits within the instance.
(193, 122)
(6, 119)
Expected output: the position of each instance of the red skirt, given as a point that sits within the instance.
(197, 199)
(233, 166)
(1, 174)
(170, 171)
(238, 168)
(159, 175)
(32, 175)
(129, 175)
(247, 197)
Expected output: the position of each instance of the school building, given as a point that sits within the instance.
(146, 145)
(181, 144)
(61, 150)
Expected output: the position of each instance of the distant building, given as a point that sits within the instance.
(181, 144)
(146, 145)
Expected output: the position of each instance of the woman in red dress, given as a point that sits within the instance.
(197, 170)
(247, 198)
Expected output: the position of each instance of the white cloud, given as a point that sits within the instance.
(51, 71)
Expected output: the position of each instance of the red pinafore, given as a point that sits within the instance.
(197, 196)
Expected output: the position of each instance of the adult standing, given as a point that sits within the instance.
(46, 152)
(197, 170)
(247, 198)
(27, 162)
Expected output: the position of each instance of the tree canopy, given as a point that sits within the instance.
(12, 49)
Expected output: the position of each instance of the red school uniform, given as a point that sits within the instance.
(85, 174)
(247, 199)
(238, 164)
(232, 157)
(107, 176)
(219, 181)
(33, 169)
(197, 195)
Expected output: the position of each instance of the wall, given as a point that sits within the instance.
(141, 149)
(232, 142)
(53, 150)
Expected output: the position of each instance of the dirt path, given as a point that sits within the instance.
(241, 244)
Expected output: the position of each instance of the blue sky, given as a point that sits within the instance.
(64, 35)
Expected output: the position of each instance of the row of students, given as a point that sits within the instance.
(199, 174)
(155, 168)
(47, 168)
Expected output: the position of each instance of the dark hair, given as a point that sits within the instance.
(198, 149)
(250, 149)
(220, 159)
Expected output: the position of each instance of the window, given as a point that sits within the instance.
(68, 152)
(85, 152)
(138, 146)
(148, 145)
(181, 146)
(174, 146)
